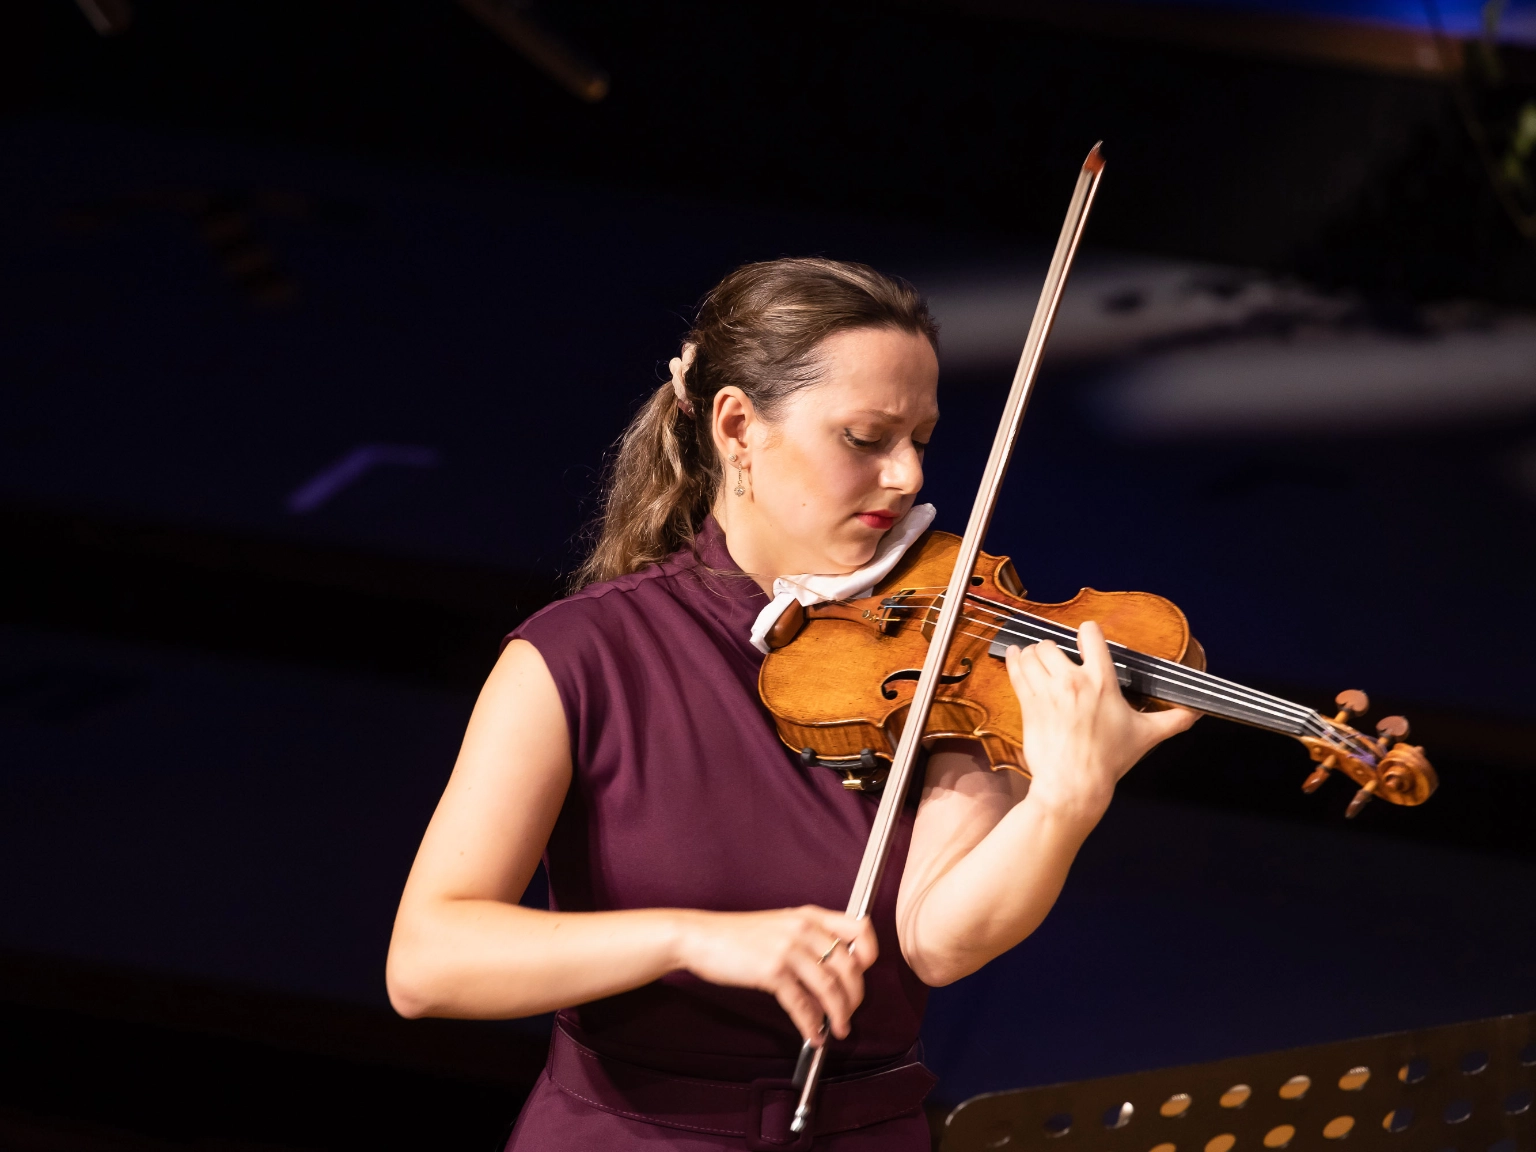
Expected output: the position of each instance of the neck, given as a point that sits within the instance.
(758, 547)
(744, 541)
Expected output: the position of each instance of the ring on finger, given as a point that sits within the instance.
(831, 948)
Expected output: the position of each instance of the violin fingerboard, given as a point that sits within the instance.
(1172, 683)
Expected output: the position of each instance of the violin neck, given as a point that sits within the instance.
(1170, 682)
(1174, 684)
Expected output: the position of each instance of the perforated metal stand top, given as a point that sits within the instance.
(1460, 1088)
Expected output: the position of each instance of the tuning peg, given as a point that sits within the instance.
(1362, 798)
(1391, 729)
(1351, 702)
(1315, 781)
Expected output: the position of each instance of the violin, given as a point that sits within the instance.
(863, 685)
(840, 676)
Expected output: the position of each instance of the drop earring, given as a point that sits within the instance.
(739, 490)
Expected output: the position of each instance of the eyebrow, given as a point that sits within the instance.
(889, 417)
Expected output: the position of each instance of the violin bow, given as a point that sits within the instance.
(903, 761)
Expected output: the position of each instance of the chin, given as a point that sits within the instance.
(852, 554)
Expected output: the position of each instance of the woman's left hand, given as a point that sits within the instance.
(1080, 735)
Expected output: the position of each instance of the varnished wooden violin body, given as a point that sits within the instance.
(839, 680)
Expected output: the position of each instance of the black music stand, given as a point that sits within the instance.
(1461, 1088)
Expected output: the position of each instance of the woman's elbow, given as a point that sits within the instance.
(407, 982)
(936, 972)
(937, 967)
(404, 999)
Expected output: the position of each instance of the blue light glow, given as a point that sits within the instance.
(1517, 22)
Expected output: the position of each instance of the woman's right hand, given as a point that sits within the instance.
(780, 952)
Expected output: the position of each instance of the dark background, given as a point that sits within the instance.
(242, 241)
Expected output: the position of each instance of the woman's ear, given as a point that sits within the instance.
(731, 420)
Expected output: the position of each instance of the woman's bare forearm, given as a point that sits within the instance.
(484, 959)
(994, 895)
(990, 862)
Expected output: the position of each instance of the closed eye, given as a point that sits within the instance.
(856, 442)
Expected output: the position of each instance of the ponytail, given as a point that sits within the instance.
(659, 489)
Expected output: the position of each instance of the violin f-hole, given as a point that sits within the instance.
(913, 673)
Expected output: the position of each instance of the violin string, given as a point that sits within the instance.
(1058, 632)
(1213, 701)
(1193, 678)
(1189, 678)
(1314, 724)
(1252, 706)
(1213, 688)
(1322, 732)
(1153, 675)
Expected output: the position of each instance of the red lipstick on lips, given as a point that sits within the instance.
(879, 521)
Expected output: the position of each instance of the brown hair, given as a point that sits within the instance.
(758, 329)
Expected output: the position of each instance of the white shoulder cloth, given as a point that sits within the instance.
(812, 589)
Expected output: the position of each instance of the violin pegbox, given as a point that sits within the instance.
(1383, 765)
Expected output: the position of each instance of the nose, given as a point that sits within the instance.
(904, 470)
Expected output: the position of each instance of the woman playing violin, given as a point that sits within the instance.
(694, 863)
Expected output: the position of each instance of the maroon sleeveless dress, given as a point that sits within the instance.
(682, 796)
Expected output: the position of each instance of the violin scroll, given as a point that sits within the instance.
(1407, 773)
(1383, 766)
